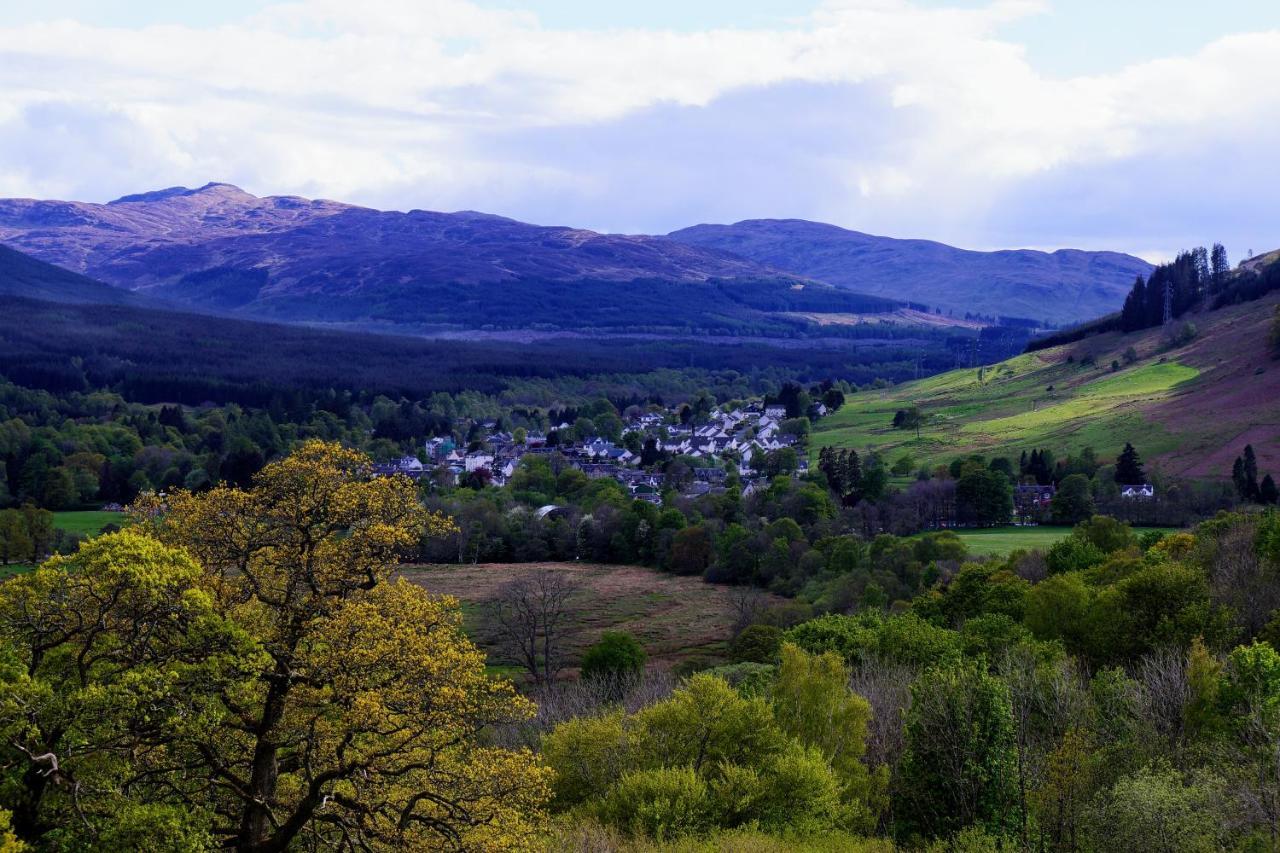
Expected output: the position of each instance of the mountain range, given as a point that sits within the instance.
(1068, 285)
(294, 259)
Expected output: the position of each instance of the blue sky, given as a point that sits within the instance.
(1132, 124)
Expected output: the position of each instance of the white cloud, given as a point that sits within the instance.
(439, 103)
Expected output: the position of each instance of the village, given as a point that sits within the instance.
(736, 439)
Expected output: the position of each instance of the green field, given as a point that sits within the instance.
(998, 541)
(87, 522)
(1033, 400)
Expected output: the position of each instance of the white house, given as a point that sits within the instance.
(477, 460)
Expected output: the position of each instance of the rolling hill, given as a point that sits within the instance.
(1061, 287)
(1189, 408)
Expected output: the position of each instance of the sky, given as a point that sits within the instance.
(1133, 125)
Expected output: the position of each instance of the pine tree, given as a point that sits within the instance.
(1250, 473)
(1129, 471)
(1267, 492)
(853, 473)
(1132, 316)
(1219, 267)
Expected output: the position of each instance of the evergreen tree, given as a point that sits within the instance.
(1219, 267)
(1250, 474)
(984, 498)
(1237, 478)
(1133, 315)
(1129, 471)
(852, 473)
(1267, 492)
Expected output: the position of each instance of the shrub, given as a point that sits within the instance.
(804, 792)
(707, 722)
(757, 644)
(1106, 533)
(588, 755)
(749, 679)
(618, 657)
(666, 802)
(904, 638)
(1073, 554)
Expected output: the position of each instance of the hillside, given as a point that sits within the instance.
(1061, 287)
(151, 354)
(1189, 409)
(24, 276)
(293, 259)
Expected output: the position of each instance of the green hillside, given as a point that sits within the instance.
(1189, 406)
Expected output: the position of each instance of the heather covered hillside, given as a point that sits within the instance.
(24, 276)
(1066, 286)
(294, 259)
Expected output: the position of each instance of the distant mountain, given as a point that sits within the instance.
(24, 276)
(218, 247)
(1066, 286)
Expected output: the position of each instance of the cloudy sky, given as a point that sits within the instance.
(1139, 125)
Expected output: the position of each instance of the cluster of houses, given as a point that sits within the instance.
(727, 440)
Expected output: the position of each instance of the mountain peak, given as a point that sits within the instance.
(213, 188)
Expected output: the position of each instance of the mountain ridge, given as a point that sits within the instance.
(1067, 285)
(217, 247)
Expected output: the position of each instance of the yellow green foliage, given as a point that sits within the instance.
(240, 665)
(709, 757)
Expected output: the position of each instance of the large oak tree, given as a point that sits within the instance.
(243, 666)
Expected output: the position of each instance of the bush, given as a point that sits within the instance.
(1106, 534)
(1073, 554)
(667, 802)
(618, 656)
(904, 638)
(803, 792)
(757, 644)
(588, 755)
(749, 679)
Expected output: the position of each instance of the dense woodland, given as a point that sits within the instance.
(241, 670)
(155, 356)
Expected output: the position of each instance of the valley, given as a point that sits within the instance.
(497, 426)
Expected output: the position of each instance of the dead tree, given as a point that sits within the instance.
(532, 619)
